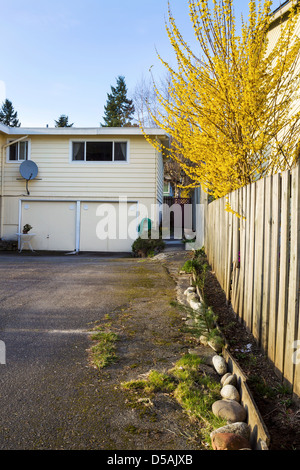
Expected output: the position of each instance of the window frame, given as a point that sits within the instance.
(8, 160)
(95, 162)
(167, 193)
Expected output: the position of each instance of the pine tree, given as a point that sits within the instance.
(8, 115)
(63, 121)
(118, 109)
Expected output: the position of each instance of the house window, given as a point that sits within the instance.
(99, 151)
(18, 152)
(167, 188)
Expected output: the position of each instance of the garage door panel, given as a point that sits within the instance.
(89, 241)
(104, 226)
(53, 223)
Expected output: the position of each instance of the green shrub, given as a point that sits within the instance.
(191, 266)
(143, 247)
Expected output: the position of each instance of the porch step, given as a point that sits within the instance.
(174, 245)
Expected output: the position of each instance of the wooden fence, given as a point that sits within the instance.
(255, 253)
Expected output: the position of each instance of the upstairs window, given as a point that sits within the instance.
(18, 152)
(99, 151)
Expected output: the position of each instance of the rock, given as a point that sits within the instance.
(195, 305)
(203, 340)
(230, 410)
(230, 380)
(229, 392)
(189, 290)
(220, 364)
(229, 441)
(242, 429)
(215, 345)
(225, 376)
(192, 296)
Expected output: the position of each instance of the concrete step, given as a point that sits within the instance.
(174, 245)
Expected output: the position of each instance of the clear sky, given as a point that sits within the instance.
(62, 56)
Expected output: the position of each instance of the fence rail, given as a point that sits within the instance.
(255, 253)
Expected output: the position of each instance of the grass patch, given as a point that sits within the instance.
(193, 390)
(103, 352)
(155, 382)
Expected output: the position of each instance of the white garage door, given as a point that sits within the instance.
(107, 226)
(53, 223)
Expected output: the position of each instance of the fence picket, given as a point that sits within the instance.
(235, 250)
(258, 261)
(283, 275)
(274, 255)
(245, 261)
(229, 257)
(266, 264)
(243, 200)
(293, 287)
(251, 258)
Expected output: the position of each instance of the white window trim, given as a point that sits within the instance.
(113, 162)
(169, 189)
(18, 161)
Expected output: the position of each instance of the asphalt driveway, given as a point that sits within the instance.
(48, 304)
(51, 397)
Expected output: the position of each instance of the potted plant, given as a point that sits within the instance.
(26, 228)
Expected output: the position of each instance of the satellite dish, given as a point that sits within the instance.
(29, 171)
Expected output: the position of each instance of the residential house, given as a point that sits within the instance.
(86, 176)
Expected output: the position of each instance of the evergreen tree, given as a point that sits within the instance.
(8, 115)
(63, 121)
(119, 109)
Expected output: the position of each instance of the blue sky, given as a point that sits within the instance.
(61, 57)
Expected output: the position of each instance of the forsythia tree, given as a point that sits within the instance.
(230, 113)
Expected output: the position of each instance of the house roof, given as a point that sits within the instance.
(281, 13)
(88, 131)
(281, 6)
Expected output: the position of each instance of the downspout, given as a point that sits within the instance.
(3, 148)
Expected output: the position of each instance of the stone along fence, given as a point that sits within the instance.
(254, 249)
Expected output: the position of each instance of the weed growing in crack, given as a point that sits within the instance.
(103, 352)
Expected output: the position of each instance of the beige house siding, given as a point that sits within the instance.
(60, 177)
(274, 34)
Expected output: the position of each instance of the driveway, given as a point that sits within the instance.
(51, 396)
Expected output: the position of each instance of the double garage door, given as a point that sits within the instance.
(80, 226)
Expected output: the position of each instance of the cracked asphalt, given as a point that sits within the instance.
(51, 397)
